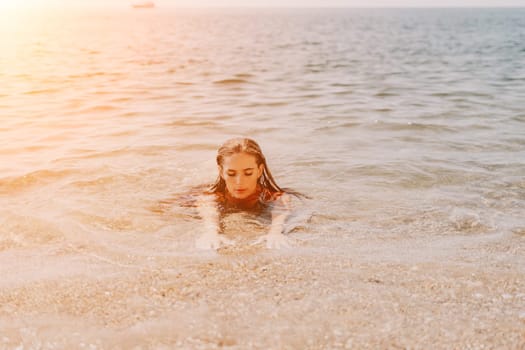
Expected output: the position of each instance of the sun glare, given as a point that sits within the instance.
(29, 4)
(13, 4)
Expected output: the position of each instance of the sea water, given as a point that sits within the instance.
(386, 118)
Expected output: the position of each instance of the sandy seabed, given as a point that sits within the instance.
(463, 292)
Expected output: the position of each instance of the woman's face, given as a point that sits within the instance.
(241, 173)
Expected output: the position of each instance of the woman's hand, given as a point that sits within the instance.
(212, 241)
(274, 241)
(275, 238)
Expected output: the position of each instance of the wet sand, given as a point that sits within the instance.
(463, 292)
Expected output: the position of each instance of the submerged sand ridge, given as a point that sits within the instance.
(376, 296)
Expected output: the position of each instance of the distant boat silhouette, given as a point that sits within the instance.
(143, 4)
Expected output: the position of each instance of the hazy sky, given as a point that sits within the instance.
(269, 3)
(333, 3)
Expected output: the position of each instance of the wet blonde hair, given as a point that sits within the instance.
(248, 146)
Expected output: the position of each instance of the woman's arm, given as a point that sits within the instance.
(210, 238)
(280, 212)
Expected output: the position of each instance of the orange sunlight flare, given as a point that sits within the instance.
(16, 4)
(19, 5)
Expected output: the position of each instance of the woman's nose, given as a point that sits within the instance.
(237, 179)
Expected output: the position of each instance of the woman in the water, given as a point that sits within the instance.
(244, 183)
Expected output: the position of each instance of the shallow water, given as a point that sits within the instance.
(398, 123)
(371, 112)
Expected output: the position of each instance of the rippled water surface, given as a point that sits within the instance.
(396, 122)
(380, 115)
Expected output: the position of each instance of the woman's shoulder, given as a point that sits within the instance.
(279, 199)
(270, 196)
